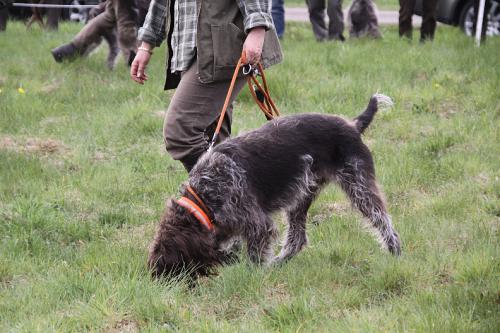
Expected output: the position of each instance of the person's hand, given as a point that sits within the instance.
(141, 60)
(252, 48)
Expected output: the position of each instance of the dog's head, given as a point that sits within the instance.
(182, 245)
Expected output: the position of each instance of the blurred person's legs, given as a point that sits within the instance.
(108, 35)
(278, 12)
(317, 18)
(53, 14)
(336, 20)
(88, 38)
(125, 15)
(4, 16)
(406, 8)
(119, 15)
(192, 116)
(428, 20)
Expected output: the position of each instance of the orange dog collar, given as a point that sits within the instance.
(197, 212)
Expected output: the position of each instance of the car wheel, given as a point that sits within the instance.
(494, 23)
(78, 14)
(466, 19)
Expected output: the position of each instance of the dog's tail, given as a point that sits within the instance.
(377, 101)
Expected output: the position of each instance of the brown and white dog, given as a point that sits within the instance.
(233, 190)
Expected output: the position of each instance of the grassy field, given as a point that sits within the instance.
(84, 177)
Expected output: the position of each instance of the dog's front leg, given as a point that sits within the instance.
(296, 238)
(260, 235)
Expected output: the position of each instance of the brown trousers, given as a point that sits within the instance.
(335, 28)
(4, 15)
(118, 14)
(192, 116)
(428, 19)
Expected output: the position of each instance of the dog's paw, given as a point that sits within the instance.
(394, 244)
(275, 262)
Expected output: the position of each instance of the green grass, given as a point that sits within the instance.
(84, 177)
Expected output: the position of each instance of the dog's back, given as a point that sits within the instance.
(283, 148)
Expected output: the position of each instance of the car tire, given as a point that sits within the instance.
(466, 18)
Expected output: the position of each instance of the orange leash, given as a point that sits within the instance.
(267, 105)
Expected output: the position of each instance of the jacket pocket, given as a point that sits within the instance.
(227, 42)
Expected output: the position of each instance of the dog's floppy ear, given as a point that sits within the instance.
(169, 204)
(163, 261)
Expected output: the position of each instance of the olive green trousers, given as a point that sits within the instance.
(192, 116)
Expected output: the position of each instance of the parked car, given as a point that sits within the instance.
(80, 14)
(461, 13)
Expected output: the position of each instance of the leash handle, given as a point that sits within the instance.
(269, 108)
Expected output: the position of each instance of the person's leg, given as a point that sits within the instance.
(87, 38)
(126, 27)
(428, 20)
(93, 31)
(278, 12)
(192, 114)
(406, 8)
(53, 15)
(112, 40)
(317, 18)
(4, 15)
(336, 23)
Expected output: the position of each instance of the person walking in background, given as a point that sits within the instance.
(205, 39)
(317, 17)
(121, 16)
(278, 13)
(428, 27)
(4, 15)
(53, 14)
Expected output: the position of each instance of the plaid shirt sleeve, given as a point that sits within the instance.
(256, 13)
(153, 29)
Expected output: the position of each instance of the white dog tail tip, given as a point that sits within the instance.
(377, 102)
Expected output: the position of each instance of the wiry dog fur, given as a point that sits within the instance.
(281, 166)
(362, 19)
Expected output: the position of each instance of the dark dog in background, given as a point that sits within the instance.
(281, 166)
(362, 19)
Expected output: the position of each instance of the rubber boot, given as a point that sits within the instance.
(65, 52)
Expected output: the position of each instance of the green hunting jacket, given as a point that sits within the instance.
(221, 31)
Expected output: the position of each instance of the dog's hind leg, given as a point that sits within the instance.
(357, 180)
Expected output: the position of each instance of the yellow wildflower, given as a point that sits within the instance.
(21, 90)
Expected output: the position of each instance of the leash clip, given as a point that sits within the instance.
(252, 70)
(247, 69)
